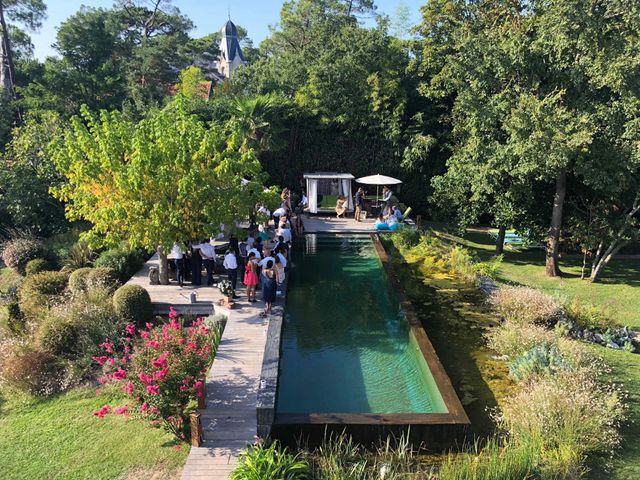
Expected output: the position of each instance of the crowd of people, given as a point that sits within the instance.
(259, 259)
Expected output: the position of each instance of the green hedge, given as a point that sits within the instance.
(133, 304)
(125, 262)
(37, 265)
(40, 291)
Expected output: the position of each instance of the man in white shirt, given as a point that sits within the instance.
(208, 254)
(255, 252)
(285, 233)
(283, 259)
(231, 265)
(280, 212)
(178, 257)
(267, 256)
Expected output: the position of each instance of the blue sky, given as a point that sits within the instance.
(208, 16)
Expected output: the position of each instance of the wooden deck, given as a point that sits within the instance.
(164, 296)
(331, 224)
(230, 421)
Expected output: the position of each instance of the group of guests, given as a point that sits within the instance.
(390, 221)
(261, 262)
(388, 204)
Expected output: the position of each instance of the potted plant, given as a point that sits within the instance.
(227, 290)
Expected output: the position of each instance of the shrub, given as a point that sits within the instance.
(133, 304)
(513, 339)
(79, 256)
(526, 305)
(264, 461)
(40, 291)
(58, 335)
(102, 278)
(18, 252)
(567, 412)
(166, 369)
(14, 319)
(125, 262)
(29, 369)
(461, 263)
(588, 316)
(78, 280)
(490, 268)
(36, 265)
(407, 237)
(540, 360)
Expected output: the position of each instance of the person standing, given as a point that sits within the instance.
(359, 203)
(178, 258)
(208, 253)
(231, 266)
(196, 265)
(386, 198)
(251, 277)
(269, 288)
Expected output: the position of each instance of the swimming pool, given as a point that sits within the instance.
(346, 344)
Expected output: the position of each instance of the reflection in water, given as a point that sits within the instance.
(346, 347)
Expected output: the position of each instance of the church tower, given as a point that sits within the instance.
(230, 51)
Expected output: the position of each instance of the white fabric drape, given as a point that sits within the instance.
(312, 194)
(346, 188)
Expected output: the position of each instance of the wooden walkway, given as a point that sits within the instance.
(230, 421)
(331, 224)
(164, 296)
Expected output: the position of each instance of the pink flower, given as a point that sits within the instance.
(152, 344)
(153, 389)
(160, 362)
(199, 388)
(127, 349)
(144, 408)
(145, 379)
(102, 412)
(108, 347)
(130, 329)
(155, 411)
(181, 341)
(172, 313)
(159, 375)
(183, 388)
(175, 325)
(119, 374)
(149, 325)
(111, 361)
(144, 334)
(121, 410)
(178, 447)
(128, 388)
(192, 345)
(100, 359)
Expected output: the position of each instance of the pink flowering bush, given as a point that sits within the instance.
(162, 368)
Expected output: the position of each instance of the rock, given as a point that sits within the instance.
(613, 345)
(154, 276)
(589, 337)
(635, 338)
(598, 338)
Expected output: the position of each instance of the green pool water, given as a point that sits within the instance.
(346, 346)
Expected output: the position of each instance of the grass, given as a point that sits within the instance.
(617, 295)
(59, 438)
(7, 278)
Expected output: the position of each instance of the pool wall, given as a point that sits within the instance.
(431, 430)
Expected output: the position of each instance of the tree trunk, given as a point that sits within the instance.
(6, 58)
(164, 266)
(553, 240)
(604, 260)
(502, 232)
(584, 263)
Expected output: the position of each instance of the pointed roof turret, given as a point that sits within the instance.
(230, 45)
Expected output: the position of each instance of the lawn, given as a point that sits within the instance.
(59, 438)
(618, 294)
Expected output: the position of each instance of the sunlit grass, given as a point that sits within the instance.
(58, 437)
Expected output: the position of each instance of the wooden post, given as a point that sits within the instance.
(419, 221)
(196, 430)
(202, 401)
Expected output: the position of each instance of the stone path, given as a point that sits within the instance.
(229, 421)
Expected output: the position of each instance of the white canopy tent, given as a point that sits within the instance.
(319, 183)
(378, 180)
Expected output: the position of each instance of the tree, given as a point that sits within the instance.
(26, 174)
(29, 13)
(524, 109)
(167, 178)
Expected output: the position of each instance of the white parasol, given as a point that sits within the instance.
(378, 180)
